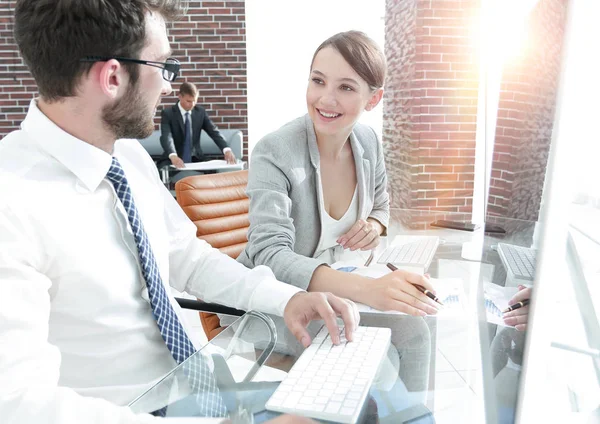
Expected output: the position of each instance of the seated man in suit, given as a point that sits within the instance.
(181, 126)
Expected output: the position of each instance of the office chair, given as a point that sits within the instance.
(218, 205)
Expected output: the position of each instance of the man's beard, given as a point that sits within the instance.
(127, 117)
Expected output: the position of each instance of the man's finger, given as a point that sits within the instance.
(345, 309)
(327, 314)
(356, 313)
(299, 332)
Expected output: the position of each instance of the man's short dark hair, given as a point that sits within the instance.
(53, 35)
(188, 89)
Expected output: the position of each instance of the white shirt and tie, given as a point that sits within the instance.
(77, 335)
(185, 114)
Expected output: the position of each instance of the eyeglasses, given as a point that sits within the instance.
(170, 68)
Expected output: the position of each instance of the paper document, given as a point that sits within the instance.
(496, 300)
(211, 165)
(450, 291)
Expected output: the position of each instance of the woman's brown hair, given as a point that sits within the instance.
(361, 53)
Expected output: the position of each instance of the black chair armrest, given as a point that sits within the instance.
(215, 308)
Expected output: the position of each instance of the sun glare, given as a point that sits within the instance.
(504, 28)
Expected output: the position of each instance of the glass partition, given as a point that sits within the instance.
(562, 373)
(237, 365)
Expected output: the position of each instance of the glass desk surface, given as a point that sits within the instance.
(463, 365)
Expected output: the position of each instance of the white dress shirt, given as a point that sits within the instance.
(183, 112)
(77, 335)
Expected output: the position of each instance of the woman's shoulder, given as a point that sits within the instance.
(291, 137)
(365, 133)
(367, 138)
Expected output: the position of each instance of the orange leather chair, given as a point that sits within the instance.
(218, 205)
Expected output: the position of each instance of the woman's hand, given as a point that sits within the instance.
(363, 235)
(518, 317)
(396, 291)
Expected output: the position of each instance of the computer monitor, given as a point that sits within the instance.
(561, 376)
(563, 330)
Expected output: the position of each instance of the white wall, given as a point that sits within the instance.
(281, 37)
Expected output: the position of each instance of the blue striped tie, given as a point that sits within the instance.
(201, 379)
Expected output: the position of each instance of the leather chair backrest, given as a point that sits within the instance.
(218, 205)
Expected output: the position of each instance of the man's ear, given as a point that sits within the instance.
(375, 99)
(111, 78)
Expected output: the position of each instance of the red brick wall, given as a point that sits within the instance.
(210, 41)
(430, 104)
(526, 115)
(16, 84)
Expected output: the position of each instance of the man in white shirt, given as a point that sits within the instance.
(84, 257)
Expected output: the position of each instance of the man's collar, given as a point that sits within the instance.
(89, 164)
(182, 110)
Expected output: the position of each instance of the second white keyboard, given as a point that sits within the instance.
(518, 260)
(417, 251)
(332, 382)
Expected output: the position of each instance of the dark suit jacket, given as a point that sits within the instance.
(173, 132)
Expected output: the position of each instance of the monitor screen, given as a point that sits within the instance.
(543, 172)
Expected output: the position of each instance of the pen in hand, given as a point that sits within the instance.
(516, 306)
(420, 288)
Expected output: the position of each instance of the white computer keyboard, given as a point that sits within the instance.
(414, 251)
(332, 382)
(518, 261)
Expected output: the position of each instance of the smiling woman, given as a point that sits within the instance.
(345, 204)
(317, 189)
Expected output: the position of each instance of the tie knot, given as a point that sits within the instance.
(115, 173)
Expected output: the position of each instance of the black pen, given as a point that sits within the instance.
(420, 288)
(516, 306)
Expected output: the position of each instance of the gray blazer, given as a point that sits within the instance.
(285, 218)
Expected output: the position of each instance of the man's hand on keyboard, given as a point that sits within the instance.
(396, 291)
(304, 307)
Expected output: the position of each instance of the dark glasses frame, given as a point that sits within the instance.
(170, 68)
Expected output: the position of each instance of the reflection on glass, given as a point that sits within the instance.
(234, 362)
(523, 72)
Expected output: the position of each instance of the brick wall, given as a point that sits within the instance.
(17, 87)
(430, 104)
(526, 115)
(399, 108)
(210, 41)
